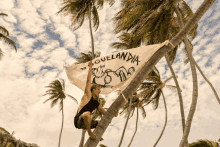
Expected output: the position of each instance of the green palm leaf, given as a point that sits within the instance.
(61, 105)
(4, 31)
(3, 14)
(95, 17)
(8, 41)
(72, 98)
(54, 102)
(173, 88)
(143, 112)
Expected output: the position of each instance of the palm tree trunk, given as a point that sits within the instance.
(165, 106)
(210, 84)
(62, 124)
(180, 96)
(90, 26)
(126, 123)
(195, 84)
(135, 83)
(135, 128)
(82, 138)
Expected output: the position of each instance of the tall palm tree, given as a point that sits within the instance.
(4, 35)
(134, 84)
(57, 92)
(84, 8)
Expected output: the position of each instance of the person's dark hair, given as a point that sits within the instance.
(94, 86)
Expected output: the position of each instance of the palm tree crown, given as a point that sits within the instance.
(57, 93)
(79, 9)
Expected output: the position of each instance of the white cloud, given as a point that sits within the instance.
(7, 4)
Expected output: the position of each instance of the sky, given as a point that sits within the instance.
(45, 42)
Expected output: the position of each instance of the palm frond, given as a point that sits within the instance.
(61, 105)
(77, 20)
(95, 17)
(8, 41)
(72, 98)
(132, 112)
(143, 112)
(155, 100)
(51, 98)
(3, 14)
(85, 57)
(4, 31)
(54, 102)
(119, 45)
(173, 88)
(167, 79)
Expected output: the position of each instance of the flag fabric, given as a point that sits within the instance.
(112, 71)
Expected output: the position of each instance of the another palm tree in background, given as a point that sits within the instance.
(4, 35)
(84, 8)
(57, 92)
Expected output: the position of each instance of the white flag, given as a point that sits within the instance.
(112, 71)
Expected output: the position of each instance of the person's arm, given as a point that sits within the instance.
(101, 109)
(88, 82)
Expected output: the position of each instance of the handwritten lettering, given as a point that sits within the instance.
(126, 56)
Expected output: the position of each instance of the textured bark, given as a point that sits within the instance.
(90, 26)
(180, 96)
(126, 123)
(165, 124)
(134, 84)
(61, 126)
(210, 84)
(135, 128)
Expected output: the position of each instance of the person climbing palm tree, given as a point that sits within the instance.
(89, 102)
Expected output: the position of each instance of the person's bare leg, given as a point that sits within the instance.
(87, 120)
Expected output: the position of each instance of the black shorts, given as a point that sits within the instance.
(79, 123)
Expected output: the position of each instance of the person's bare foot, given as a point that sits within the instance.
(93, 136)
